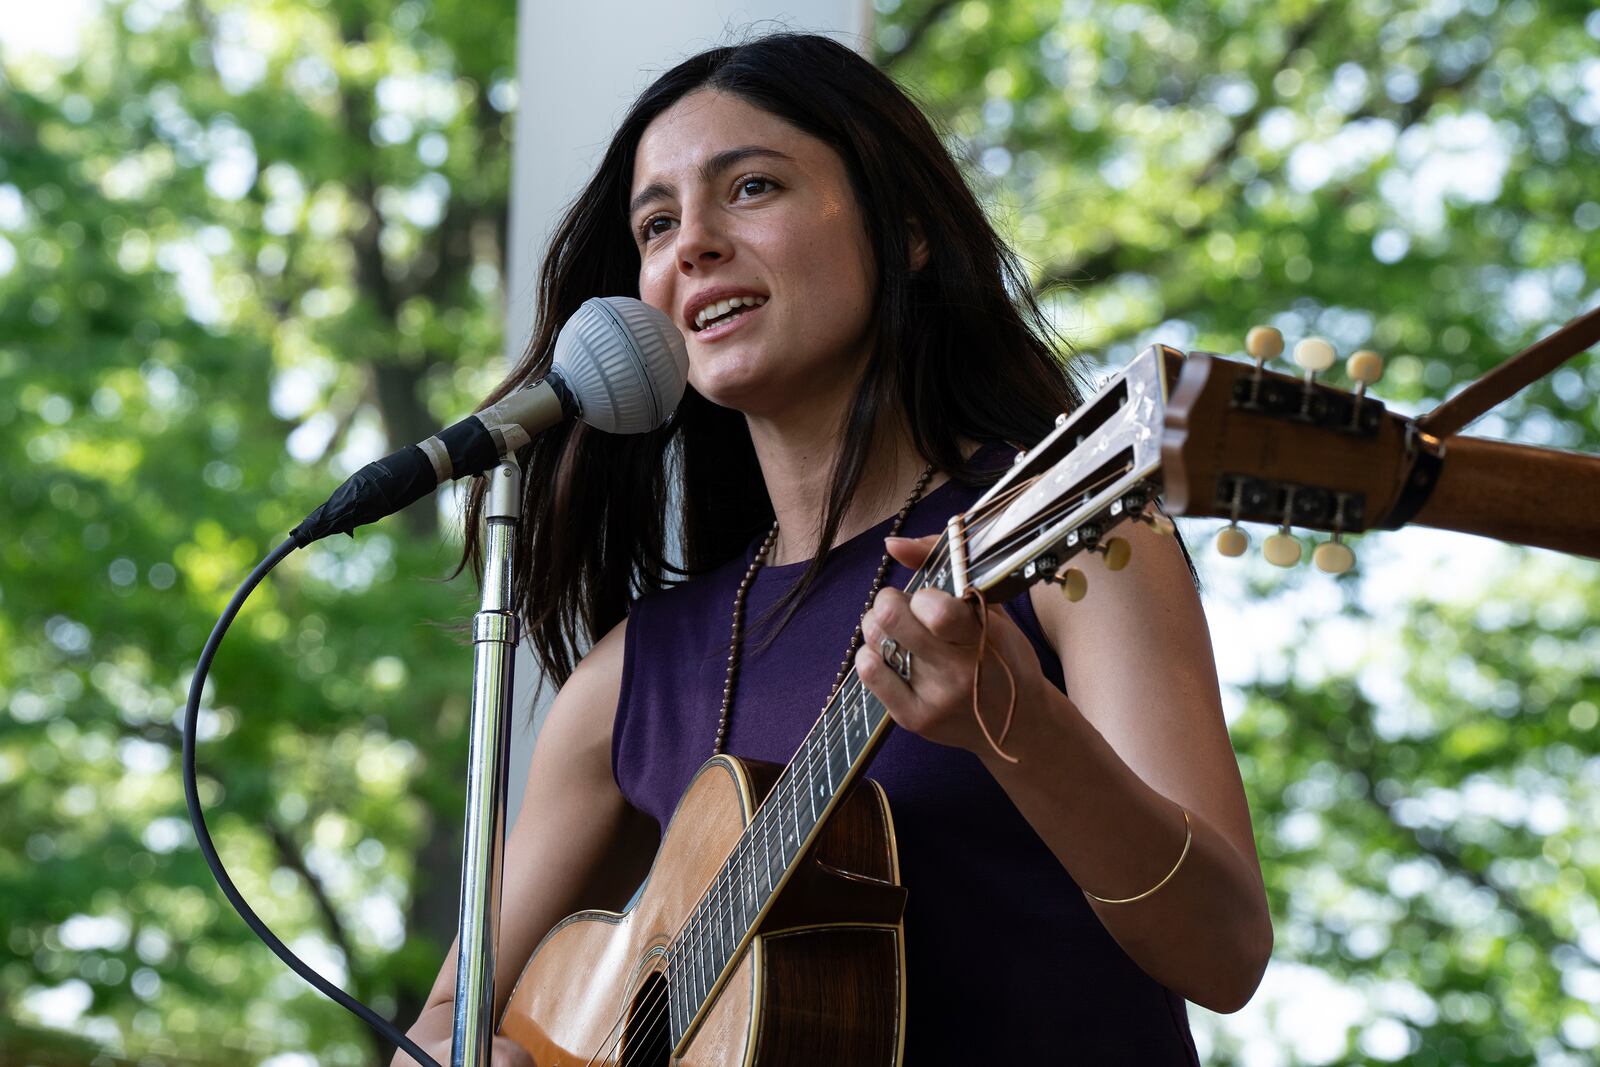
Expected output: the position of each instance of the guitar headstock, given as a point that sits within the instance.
(1097, 468)
(1248, 444)
(1208, 436)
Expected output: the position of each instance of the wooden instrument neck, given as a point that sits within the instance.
(1544, 497)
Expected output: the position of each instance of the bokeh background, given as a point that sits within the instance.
(247, 246)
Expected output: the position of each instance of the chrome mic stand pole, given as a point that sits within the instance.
(494, 645)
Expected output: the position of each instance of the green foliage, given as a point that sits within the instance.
(241, 246)
(1415, 178)
(256, 242)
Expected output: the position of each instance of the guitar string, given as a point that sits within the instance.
(715, 911)
(712, 910)
(850, 688)
(660, 1001)
(740, 877)
(653, 1016)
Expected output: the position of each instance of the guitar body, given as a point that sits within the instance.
(821, 981)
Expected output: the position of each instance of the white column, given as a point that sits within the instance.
(579, 66)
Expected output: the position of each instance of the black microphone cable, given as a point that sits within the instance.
(191, 792)
(619, 364)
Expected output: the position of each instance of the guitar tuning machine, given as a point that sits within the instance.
(1042, 566)
(1334, 556)
(1073, 584)
(1282, 549)
(1365, 368)
(1232, 541)
(1047, 567)
(1142, 506)
(1157, 520)
(1261, 344)
(1115, 552)
(1313, 355)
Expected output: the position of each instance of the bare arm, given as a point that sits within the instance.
(1106, 772)
(576, 844)
(1102, 774)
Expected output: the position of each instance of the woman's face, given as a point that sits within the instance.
(729, 201)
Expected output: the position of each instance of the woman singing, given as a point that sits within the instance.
(863, 357)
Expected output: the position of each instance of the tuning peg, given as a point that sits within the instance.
(1334, 557)
(1263, 343)
(1281, 549)
(1157, 520)
(1116, 552)
(1365, 368)
(1232, 541)
(1313, 355)
(1073, 584)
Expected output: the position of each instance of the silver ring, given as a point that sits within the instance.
(896, 658)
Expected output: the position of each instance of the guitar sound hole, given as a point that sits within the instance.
(645, 1040)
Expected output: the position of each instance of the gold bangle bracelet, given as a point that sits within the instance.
(1188, 839)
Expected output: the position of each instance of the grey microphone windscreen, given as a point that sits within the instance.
(625, 363)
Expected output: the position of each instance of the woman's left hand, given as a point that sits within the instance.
(942, 634)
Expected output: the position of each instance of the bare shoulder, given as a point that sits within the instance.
(584, 708)
(602, 664)
(1137, 658)
(1156, 589)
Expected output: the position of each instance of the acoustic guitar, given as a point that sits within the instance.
(769, 930)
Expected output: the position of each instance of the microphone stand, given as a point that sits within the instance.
(495, 634)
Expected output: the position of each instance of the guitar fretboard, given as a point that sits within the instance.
(827, 762)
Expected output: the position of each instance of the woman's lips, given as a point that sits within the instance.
(719, 330)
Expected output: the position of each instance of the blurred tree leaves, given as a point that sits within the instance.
(1416, 178)
(241, 245)
(245, 247)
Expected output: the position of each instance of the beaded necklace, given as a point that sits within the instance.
(749, 579)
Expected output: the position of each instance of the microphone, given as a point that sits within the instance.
(620, 365)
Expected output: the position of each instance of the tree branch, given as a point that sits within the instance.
(1448, 857)
(447, 251)
(1109, 260)
(13, 127)
(289, 855)
(915, 33)
(1438, 846)
(1116, 258)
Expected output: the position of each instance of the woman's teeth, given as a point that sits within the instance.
(712, 312)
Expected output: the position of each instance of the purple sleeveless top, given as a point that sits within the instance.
(1005, 961)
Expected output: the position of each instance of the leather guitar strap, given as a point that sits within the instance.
(1529, 365)
(1427, 437)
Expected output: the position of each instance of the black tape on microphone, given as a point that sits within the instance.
(381, 488)
(470, 446)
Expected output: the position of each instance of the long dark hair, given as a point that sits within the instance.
(960, 347)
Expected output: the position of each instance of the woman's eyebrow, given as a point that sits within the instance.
(708, 171)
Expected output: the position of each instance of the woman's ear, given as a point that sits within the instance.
(917, 252)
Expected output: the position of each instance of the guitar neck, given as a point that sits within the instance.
(828, 762)
(1526, 495)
